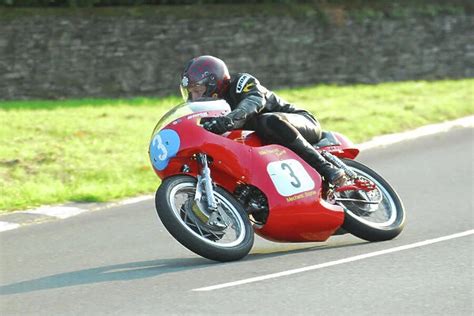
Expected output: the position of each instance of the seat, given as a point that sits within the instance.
(327, 139)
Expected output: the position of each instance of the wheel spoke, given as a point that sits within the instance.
(213, 234)
(379, 214)
(235, 231)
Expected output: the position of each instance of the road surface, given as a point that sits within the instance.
(122, 261)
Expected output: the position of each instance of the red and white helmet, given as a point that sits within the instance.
(207, 71)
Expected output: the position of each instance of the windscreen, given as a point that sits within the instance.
(187, 108)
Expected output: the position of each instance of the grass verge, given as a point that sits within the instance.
(96, 150)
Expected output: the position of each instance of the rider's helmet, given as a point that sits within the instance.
(207, 72)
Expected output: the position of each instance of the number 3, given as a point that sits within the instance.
(297, 182)
(161, 147)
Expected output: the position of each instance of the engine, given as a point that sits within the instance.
(254, 201)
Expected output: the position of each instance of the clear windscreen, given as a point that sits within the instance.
(188, 108)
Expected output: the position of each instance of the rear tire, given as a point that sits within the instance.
(385, 221)
(170, 203)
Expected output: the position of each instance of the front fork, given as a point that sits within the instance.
(204, 181)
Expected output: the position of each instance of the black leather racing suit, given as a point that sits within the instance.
(256, 108)
(276, 121)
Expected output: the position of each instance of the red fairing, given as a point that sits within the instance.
(231, 157)
(303, 216)
(297, 213)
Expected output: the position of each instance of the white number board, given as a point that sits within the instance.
(289, 177)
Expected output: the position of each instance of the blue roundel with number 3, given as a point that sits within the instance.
(163, 147)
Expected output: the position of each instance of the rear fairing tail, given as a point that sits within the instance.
(338, 145)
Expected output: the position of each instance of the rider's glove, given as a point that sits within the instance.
(217, 125)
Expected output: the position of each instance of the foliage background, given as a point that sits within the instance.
(95, 150)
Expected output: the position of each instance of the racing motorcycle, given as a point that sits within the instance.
(218, 190)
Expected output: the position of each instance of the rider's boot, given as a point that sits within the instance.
(305, 150)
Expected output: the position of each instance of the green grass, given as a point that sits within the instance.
(365, 111)
(96, 150)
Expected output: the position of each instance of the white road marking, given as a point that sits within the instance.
(4, 226)
(333, 263)
(57, 211)
(136, 199)
(386, 140)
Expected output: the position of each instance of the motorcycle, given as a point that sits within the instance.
(218, 190)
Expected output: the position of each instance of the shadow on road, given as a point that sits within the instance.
(294, 248)
(153, 268)
(119, 272)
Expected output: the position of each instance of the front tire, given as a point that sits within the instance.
(173, 199)
(380, 222)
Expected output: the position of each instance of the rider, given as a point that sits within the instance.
(256, 108)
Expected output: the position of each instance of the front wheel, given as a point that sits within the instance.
(373, 222)
(184, 219)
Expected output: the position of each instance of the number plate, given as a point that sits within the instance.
(163, 147)
(289, 177)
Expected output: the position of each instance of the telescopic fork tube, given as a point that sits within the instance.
(207, 181)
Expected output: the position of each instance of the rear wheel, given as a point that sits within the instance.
(231, 240)
(373, 222)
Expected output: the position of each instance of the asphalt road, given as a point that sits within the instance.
(122, 261)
